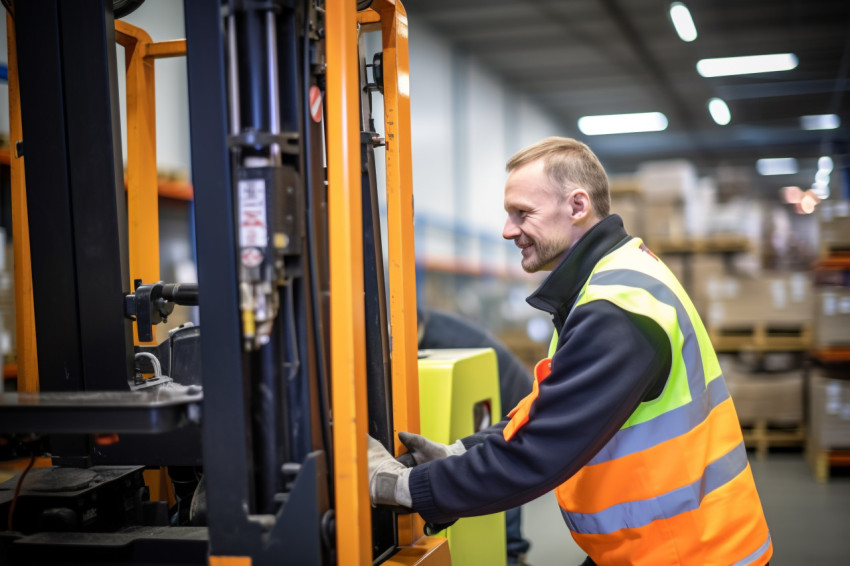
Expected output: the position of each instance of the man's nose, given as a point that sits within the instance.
(510, 231)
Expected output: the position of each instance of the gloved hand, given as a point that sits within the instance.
(389, 480)
(423, 450)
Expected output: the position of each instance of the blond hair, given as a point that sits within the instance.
(569, 164)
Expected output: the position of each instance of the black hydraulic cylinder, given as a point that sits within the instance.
(253, 51)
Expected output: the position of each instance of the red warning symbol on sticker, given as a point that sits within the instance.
(315, 103)
(252, 257)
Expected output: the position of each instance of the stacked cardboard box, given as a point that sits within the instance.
(630, 208)
(829, 408)
(834, 223)
(832, 317)
(779, 298)
(772, 397)
(666, 186)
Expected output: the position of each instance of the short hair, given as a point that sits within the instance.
(569, 164)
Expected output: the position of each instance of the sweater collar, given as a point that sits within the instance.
(560, 289)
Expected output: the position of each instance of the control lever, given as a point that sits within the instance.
(151, 304)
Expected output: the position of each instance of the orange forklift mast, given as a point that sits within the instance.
(260, 415)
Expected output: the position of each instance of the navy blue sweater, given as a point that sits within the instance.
(607, 361)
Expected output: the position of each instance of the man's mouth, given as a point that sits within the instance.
(524, 247)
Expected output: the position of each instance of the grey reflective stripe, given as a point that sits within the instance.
(637, 514)
(755, 555)
(663, 293)
(671, 424)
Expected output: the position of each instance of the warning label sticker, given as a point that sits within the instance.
(315, 104)
(252, 213)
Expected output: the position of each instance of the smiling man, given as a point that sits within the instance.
(629, 421)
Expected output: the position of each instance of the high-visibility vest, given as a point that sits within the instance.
(673, 486)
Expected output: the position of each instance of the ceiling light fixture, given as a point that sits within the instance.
(683, 22)
(821, 185)
(807, 203)
(725, 66)
(820, 122)
(719, 111)
(622, 123)
(777, 166)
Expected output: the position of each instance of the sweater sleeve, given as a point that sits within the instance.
(608, 361)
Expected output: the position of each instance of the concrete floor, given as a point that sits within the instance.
(809, 521)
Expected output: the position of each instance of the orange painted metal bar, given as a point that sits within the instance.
(160, 486)
(433, 551)
(402, 269)
(368, 16)
(27, 354)
(142, 203)
(181, 190)
(348, 346)
(164, 49)
(229, 561)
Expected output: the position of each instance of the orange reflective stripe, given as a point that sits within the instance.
(519, 414)
(630, 478)
(719, 533)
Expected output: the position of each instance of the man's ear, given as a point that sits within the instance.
(580, 204)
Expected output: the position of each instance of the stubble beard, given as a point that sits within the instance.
(545, 256)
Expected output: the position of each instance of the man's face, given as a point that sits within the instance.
(539, 222)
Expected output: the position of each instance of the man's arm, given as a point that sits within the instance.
(608, 362)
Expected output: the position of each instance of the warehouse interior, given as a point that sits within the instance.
(740, 183)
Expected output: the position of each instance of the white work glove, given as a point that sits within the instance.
(389, 480)
(423, 450)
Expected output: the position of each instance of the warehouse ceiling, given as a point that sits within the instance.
(595, 57)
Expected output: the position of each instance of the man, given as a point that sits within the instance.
(439, 330)
(629, 421)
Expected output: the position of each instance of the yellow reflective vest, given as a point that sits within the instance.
(673, 486)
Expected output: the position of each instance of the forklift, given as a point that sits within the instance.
(240, 440)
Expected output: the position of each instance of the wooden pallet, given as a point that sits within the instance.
(762, 436)
(823, 460)
(761, 337)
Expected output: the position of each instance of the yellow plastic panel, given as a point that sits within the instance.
(451, 383)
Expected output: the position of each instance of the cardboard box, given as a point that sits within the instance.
(775, 397)
(834, 222)
(629, 207)
(670, 181)
(829, 411)
(663, 221)
(781, 299)
(832, 317)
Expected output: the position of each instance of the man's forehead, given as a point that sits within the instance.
(529, 186)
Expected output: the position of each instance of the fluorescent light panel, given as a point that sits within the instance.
(682, 21)
(719, 111)
(820, 122)
(777, 166)
(622, 123)
(725, 66)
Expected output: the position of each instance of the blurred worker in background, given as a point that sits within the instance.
(440, 330)
(629, 420)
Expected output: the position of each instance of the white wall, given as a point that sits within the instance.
(465, 124)
(163, 20)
